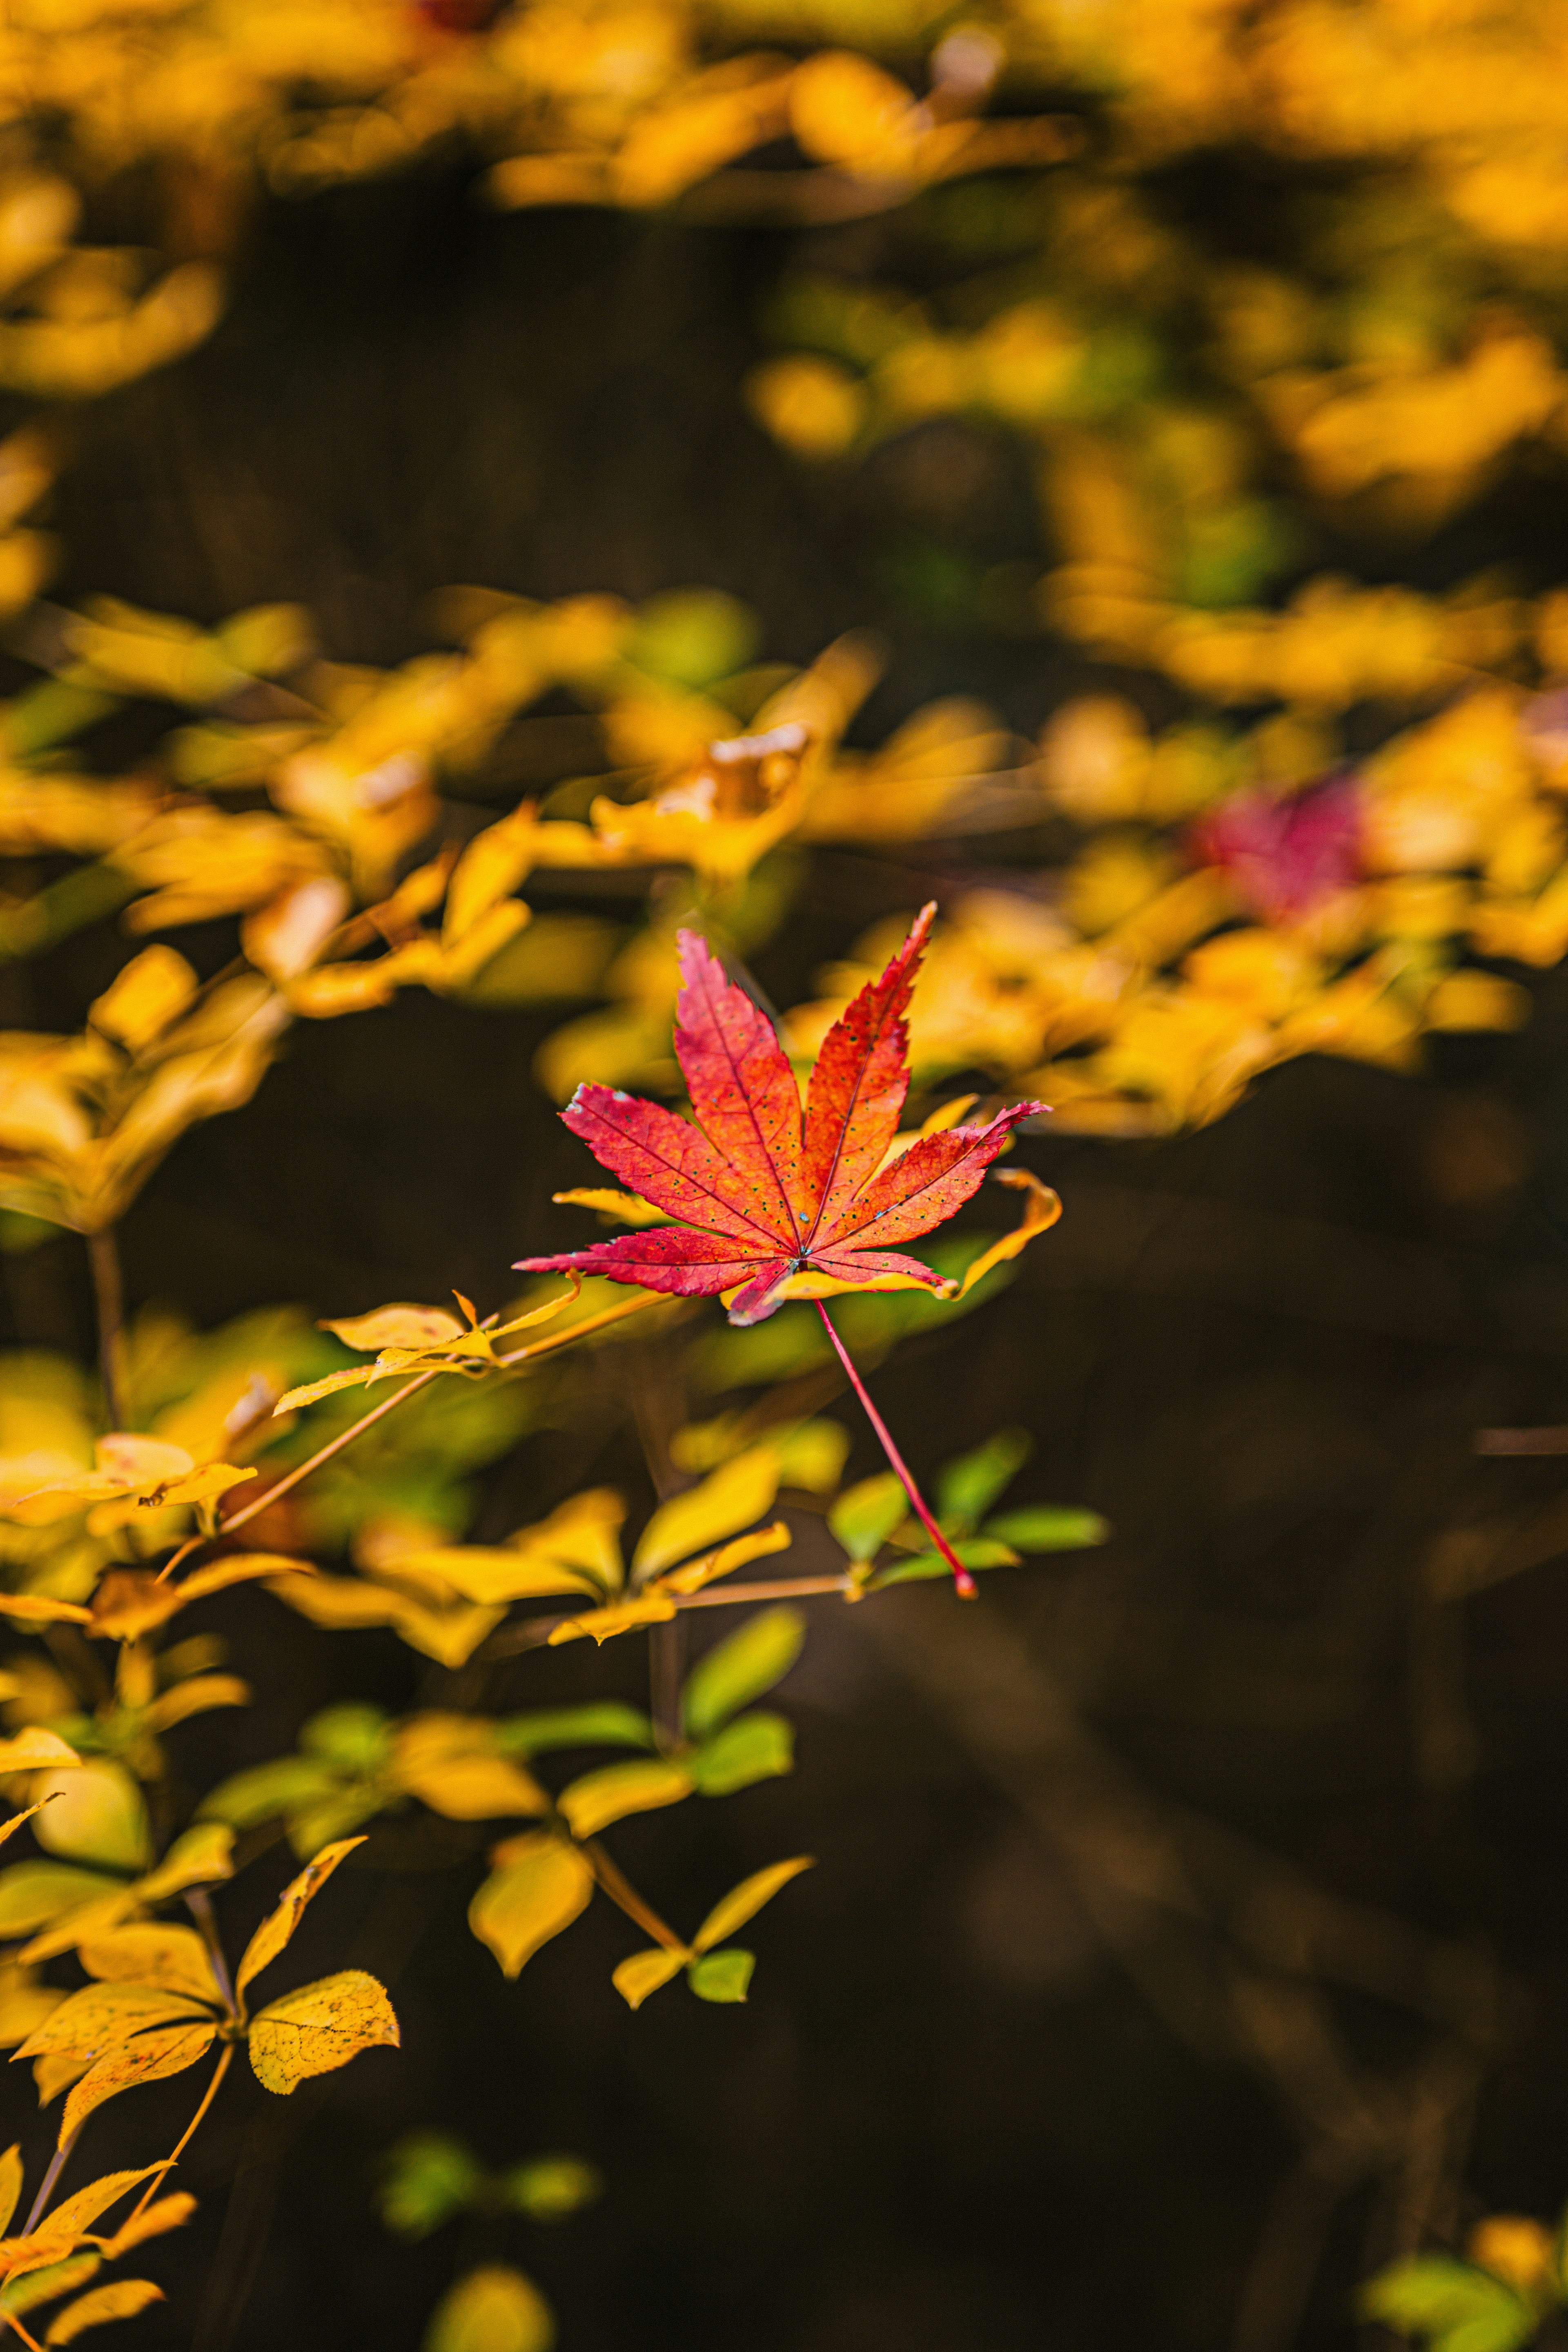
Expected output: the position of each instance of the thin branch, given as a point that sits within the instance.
(31, 2341)
(621, 1892)
(46, 2185)
(964, 1583)
(109, 1292)
(226, 2060)
(198, 1903)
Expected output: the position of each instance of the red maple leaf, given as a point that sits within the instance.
(763, 1191)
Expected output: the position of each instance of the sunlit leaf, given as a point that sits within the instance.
(622, 1617)
(395, 1327)
(79, 2211)
(739, 1668)
(608, 1795)
(645, 1972)
(200, 1856)
(49, 2283)
(723, 1975)
(167, 2050)
(600, 1723)
(494, 2309)
(100, 2017)
(11, 2178)
(32, 1894)
(154, 2220)
(35, 1746)
(121, 2300)
(276, 1929)
(93, 1812)
(538, 1887)
(739, 1552)
(744, 1902)
(173, 1958)
(320, 2027)
(735, 1495)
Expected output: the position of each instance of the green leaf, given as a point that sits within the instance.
(744, 1902)
(1049, 1527)
(283, 1786)
(353, 1737)
(1456, 2306)
(551, 2187)
(975, 1551)
(721, 1976)
(757, 1747)
(34, 1893)
(966, 1488)
(494, 2309)
(865, 1517)
(603, 1723)
(739, 1669)
(595, 1800)
(429, 2177)
(645, 1972)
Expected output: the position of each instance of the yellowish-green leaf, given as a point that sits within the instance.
(154, 2220)
(494, 2309)
(395, 1327)
(33, 1748)
(744, 1902)
(739, 1552)
(100, 2017)
(493, 1574)
(35, 1893)
(539, 1885)
(120, 2300)
(738, 1492)
(612, 1792)
(48, 2283)
(148, 2059)
(621, 1617)
(11, 2177)
(320, 2027)
(93, 1813)
(723, 1975)
(200, 1856)
(280, 1925)
(198, 1695)
(645, 1972)
(173, 1958)
(739, 1668)
(311, 1392)
(450, 1763)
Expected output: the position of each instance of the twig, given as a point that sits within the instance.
(621, 1891)
(46, 2185)
(31, 2341)
(226, 2060)
(198, 1903)
(965, 1584)
(109, 1291)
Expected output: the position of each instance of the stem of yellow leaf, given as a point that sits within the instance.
(198, 1903)
(967, 1589)
(226, 2060)
(109, 1291)
(621, 1891)
(46, 2185)
(31, 2341)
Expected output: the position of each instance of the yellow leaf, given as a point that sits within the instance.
(582, 1533)
(130, 1461)
(539, 1885)
(729, 1557)
(152, 992)
(735, 1495)
(54, 2072)
(488, 870)
(442, 1760)
(169, 2049)
(623, 1617)
(278, 1925)
(1041, 1208)
(645, 1972)
(99, 2018)
(238, 1568)
(11, 2176)
(493, 1574)
(311, 1392)
(201, 1855)
(844, 109)
(35, 1746)
(493, 2309)
(174, 1958)
(320, 2027)
(744, 1902)
(123, 2300)
(198, 1695)
(395, 1327)
(36, 1608)
(599, 1797)
(624, 1207)
(153, 2221)
(77, 2213)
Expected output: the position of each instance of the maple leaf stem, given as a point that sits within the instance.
(963, 1582)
